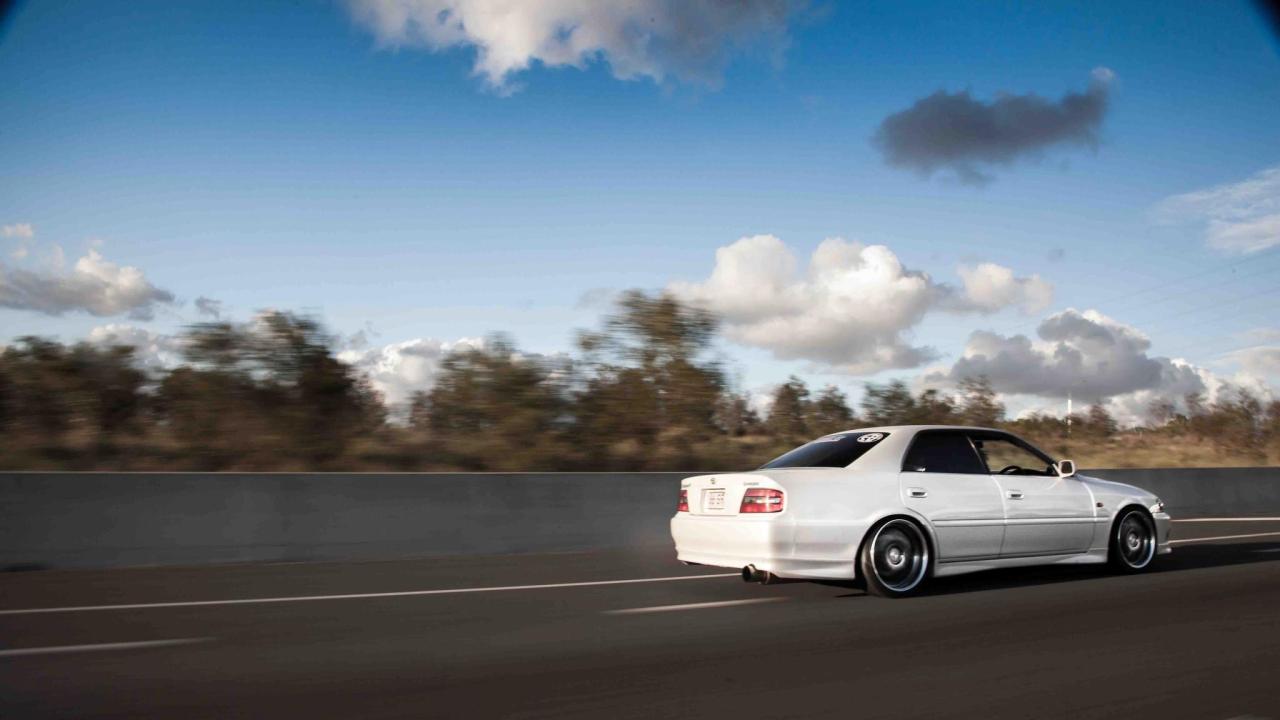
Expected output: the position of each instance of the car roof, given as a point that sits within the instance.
(917, 428)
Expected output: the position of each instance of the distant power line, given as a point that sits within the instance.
(1177, 288)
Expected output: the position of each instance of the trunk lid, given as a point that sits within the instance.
(721, 493)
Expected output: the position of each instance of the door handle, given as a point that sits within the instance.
(1014, 494)
(918, 492)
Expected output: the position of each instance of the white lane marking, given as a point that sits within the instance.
(1228, 519)
(18, 652)
(356, 596)
(1223, 537)
(692, 606)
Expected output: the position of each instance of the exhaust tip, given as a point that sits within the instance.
(750, 574)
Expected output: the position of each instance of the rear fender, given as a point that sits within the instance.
(906, 514)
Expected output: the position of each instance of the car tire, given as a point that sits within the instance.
(1132, 546)
(895, 558)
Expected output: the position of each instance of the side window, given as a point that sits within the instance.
(942, 452)
(1005, 457)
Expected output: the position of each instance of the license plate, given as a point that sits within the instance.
(713, 500)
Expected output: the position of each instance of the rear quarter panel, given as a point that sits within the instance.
(831, 510)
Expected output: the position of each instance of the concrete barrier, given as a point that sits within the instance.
(1206, 492)
(109, 519)
(113, 519)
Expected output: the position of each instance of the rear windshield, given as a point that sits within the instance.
(839, 450)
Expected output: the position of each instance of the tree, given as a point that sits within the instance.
(830, 412)
(890, 404)
(1041, 425)
(789, 411)
(494, 409)
(978, 403)
(420, 410)
(215, 417)
(1099, 421)
(48, 389)
(1271, 429)
(644, 375)
(893, 404)
(110, 378)
(1236, 423)
(933, 408)
(735, 416)
(271, 386)
(1160, 412)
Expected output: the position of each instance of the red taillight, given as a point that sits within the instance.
(761, 500)
(683, 505)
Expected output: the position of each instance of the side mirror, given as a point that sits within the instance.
(1066, 468)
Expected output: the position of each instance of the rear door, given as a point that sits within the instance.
(1044, 514)
(944, 480)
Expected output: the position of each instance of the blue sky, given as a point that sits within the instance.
(285, 154)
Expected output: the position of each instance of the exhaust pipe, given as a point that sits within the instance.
(752, 574)
(768, 578)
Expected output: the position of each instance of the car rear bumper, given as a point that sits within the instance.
(773, 544)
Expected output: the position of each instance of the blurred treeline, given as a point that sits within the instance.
(643, 392)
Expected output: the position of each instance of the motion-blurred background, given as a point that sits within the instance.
(632, 235)
(644, 391)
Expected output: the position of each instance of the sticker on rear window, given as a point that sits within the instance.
(870, 437)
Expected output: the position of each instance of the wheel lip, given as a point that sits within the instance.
(1149, 540)
(913, 530)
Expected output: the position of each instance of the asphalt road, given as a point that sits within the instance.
(1197, 638)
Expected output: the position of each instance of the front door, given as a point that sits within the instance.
(1044, 514)
(944, 480)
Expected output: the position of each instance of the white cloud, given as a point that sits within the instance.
(1262, 335)
(400, 369)
(989, 288)
(689, 40)
(1245, 236)
(151, 350)
(1083, 354)
(1260, 362)
(94, 285)
(1178, 378)
(21, 231)
(1241, 217)
(850, 310)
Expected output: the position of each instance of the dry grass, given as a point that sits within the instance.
(402, 451)
(1136, 449)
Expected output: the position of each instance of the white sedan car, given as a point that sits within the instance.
(893, 506)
